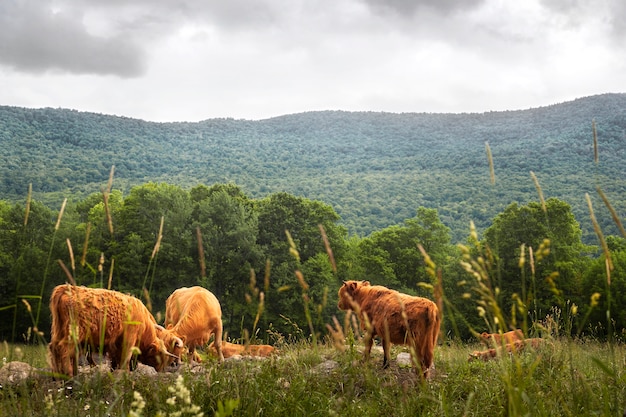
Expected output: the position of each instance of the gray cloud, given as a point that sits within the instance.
(579, 12)
(36, 39)
(410, 7)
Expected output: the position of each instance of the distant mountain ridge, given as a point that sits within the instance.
(374, 168)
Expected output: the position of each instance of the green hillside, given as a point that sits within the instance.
(375, 169)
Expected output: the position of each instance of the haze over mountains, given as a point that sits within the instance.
(375, 169)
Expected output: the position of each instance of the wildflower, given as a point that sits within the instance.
(481, 311)
(595, 297)
(137, 406)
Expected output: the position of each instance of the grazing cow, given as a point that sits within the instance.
(232, 349)
(195, 314)
(395, 318)
(516, 346)
(497, 338)
(84, 319)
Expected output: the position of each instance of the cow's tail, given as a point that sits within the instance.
(57, 331)
(60, 353)
(431, 338)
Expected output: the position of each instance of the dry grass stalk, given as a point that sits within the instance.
(596, 228)
(596, 157)
(70, 278)
(492, 173)
(337, 336)
(157, 245)
(83, 258)
(107, 211)
(69, 248)
(110, 183)
(614, 215)
(28, 200)
(329, 250)
(301, 280)
(111, 273)
(201, 252)
(56, 227)
(148, 303)
(101, 262)
(266, 281)
(259, 310)
(539, 191)
(292, 246)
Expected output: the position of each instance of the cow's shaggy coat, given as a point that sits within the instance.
(394, 317)
(194, 314)
(89, 319)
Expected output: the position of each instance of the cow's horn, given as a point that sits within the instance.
(172, 355)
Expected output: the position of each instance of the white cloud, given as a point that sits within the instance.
(197, 59)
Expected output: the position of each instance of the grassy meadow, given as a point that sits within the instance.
(564, 378)
(325, 375)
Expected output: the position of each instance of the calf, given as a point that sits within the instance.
(498, 338)
(232, 349)
(516, 346)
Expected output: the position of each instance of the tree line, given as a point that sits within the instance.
(276, 263)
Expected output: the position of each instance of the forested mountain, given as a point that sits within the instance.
(374, 169)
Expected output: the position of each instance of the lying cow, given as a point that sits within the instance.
(232, 349)
(383, 309)
(87, 319)
(497, 339)
(516, 346)
(195, 314)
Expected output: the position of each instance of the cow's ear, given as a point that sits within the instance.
(352, 286)
(365, 283)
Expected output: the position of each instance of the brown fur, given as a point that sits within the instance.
(195, 314)
(516, 346)
(232, 349)
(491, 339)
(383, 308)
(82, 316)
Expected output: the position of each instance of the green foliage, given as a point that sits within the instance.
(524, 228)
(392, 256)
(612, 289)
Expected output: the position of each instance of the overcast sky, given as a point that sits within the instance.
(190, 60)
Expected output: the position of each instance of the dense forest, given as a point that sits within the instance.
(374, 169)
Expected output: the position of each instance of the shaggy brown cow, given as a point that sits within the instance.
(83, 319)
(516, 346)
(496, 338)
(232, 349)
(195, 314)
(384, 309)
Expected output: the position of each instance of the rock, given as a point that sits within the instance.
(15, 372)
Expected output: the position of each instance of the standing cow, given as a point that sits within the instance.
(194, 314)
(395, 318)
(84, 319)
